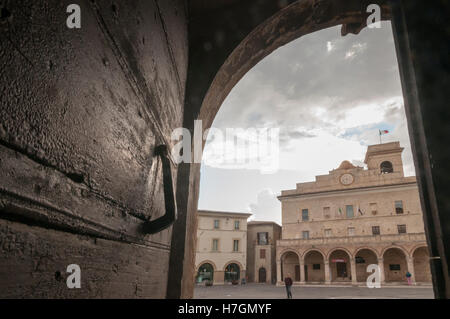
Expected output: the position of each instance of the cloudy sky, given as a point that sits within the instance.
(328, 95)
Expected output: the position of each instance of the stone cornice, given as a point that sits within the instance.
(346, 190)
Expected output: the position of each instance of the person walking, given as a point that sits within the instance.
(408, 278)
(288, 284)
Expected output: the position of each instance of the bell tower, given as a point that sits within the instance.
(385, 158)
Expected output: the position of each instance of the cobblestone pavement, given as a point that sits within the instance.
(261, 291)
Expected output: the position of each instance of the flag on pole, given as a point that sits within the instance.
(382, 132)
(340, 212)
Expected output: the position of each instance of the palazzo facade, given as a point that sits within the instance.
(261, 251)
(335, 227)
(221, 254)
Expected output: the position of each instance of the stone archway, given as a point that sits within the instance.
(205, 273)
(427, 117)
(290, 265)
(395, 265)
(232, 272)
(422, 265)
(340, 266)
(363, 258)
(215, 73)
(314, 265)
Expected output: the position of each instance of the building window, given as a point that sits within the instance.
(316, 266)
(216, 224)
(235, 245)
(394, 267)
(263, 238)
(326, 212)
(399, 207)
(305, 216)
(374, 208)
(236, 224)
(375, 230)
(262, 254)
(305, 234)
(351, 231)
(215, 245)
(386, 167)
(327, 232)
(401, 229)
(349, 211)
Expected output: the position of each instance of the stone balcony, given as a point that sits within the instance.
(367, 239)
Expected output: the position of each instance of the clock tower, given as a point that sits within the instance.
(385, 158)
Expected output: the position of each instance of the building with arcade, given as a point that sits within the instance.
(337, 225)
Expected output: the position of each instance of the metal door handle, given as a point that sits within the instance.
(161, 223)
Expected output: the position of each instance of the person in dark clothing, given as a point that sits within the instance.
(288, 284)
(408, 278)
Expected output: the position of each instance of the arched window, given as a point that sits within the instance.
(386, 167)
(205, 272)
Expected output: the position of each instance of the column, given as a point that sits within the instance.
(327, 272)
(353, 270)
(279, 279)
(302, 270)
(381, 265)
(410, 261)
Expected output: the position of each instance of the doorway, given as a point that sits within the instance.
(297, 272)
(262, 275)
(341, 269)
(232, 273)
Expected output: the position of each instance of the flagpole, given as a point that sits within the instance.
(379, 132)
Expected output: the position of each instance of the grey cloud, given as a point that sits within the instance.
(287, 135)
(324, 78)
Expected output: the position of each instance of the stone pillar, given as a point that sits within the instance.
(327, 272)
(410, 261)
(279, 279)
(353, 270)
(219, 277)
(381, 265)
(302, 270)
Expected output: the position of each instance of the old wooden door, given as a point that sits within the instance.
(82, 113)
(262, 275)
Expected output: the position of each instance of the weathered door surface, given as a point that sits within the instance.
(81, 113)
